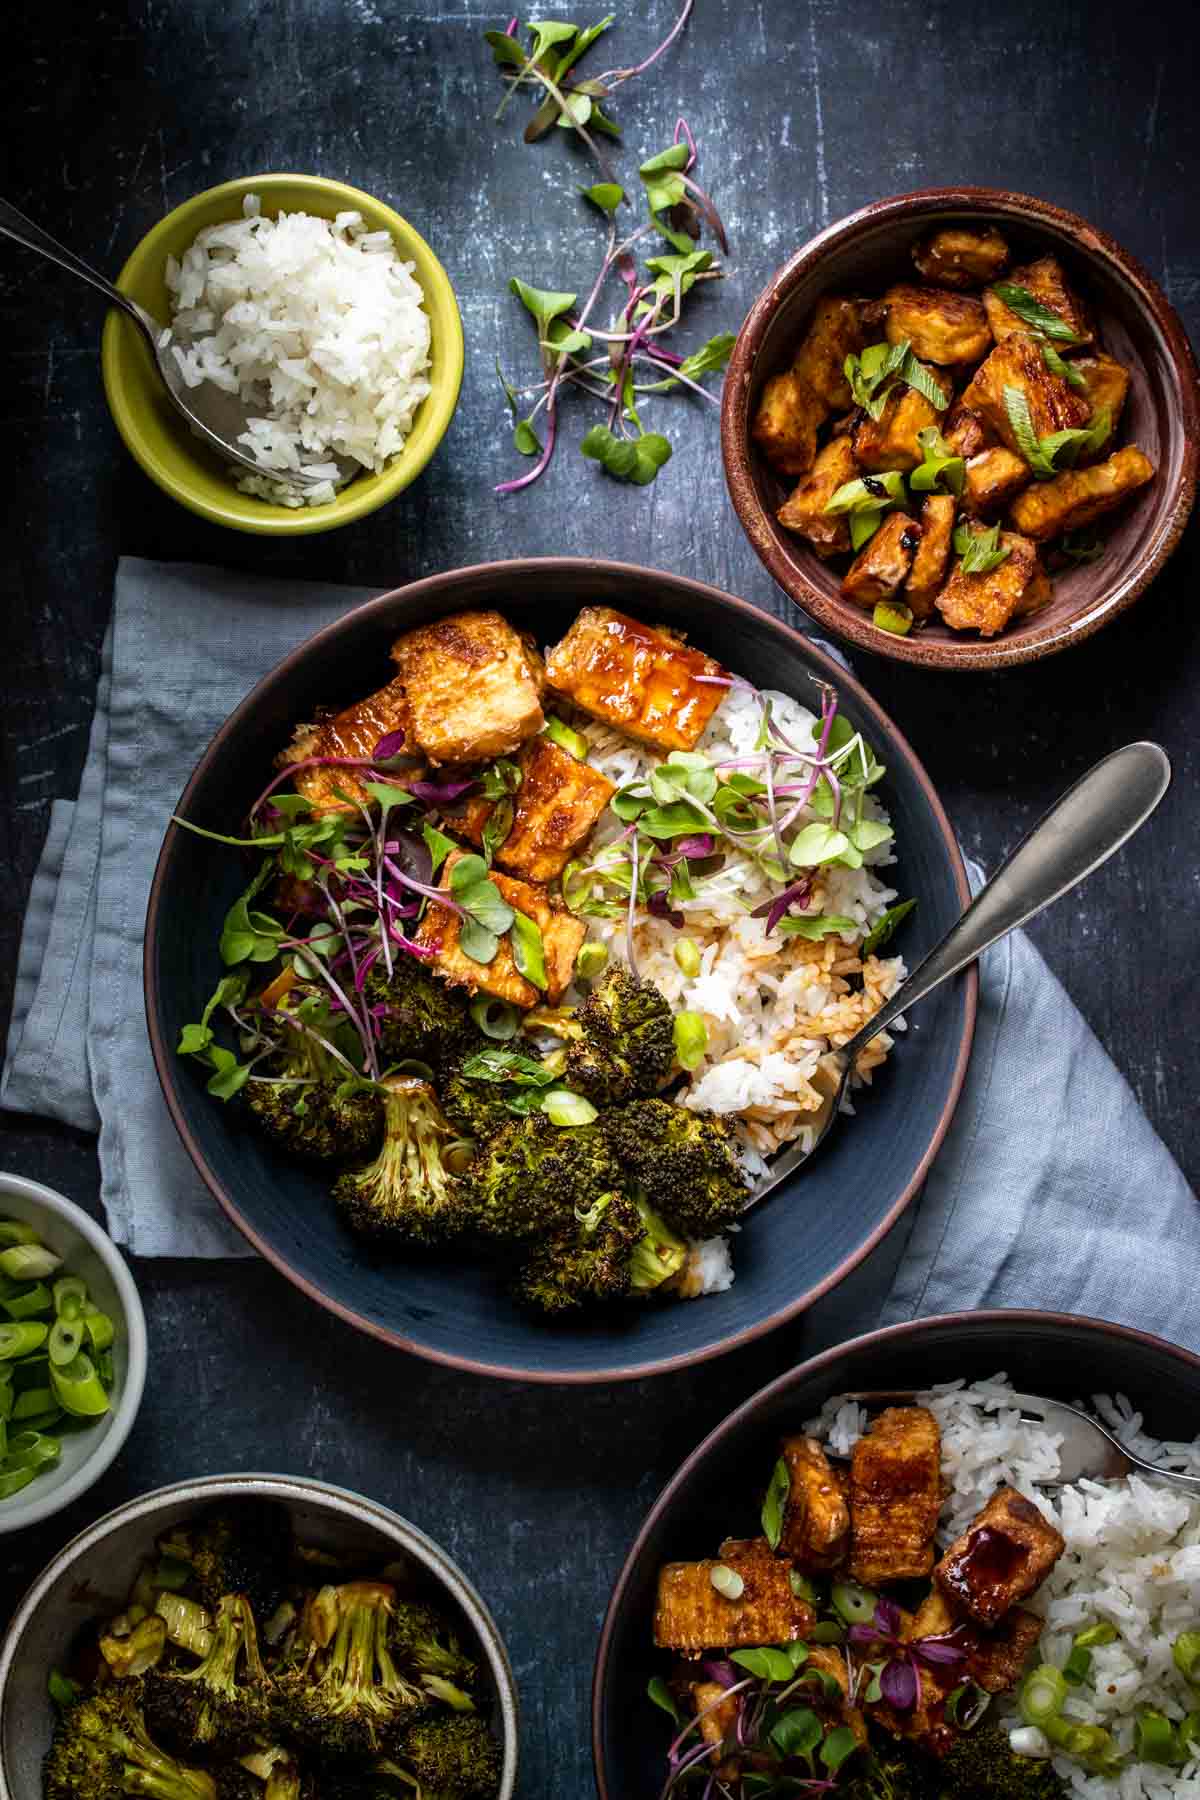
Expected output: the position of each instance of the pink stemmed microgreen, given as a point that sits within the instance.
(899, 1676)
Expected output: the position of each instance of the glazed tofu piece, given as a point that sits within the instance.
(691, 1616)
(816, 1518)
(958, 258)
(830, 1661)
(353, 732)
(472, 686)
(554, 809)
(804, 509)
(1107, 387)
(986, 602)
(1018, 362)
(881, 567)
(562, 934)
(1044, 279)
(786, 423)
(835, 333)
(992, 479)
(996, 1659)
(637, 677)
(890, 441)
(965, 432)
(717, 1717)
(932, 555)
(1078, 496)
(942, 327)
(1002, 1557)
(895, 1496)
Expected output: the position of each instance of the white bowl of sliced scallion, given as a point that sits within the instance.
(72, 1352)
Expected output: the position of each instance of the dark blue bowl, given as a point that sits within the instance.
(811, 1233)
(718, 1491)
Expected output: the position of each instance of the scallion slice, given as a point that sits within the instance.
(1042, 1695)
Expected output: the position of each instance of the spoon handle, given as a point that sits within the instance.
(14, 224)
(1081, 831)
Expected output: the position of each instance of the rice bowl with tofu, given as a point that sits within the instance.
(546, 955)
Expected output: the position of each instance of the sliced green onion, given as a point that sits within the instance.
(44, 1421)
(727, 1581)
(896, 619)
(29, 1302)
(78, 1388)
(1078, 1665)
(104, 1363)
(855, 1604)
(687, 957)
(62, 1690)
(1086, 1743)
(22, 1339)
(70, 1297)
(1186, 1651)
(188, 1625)
(1042, 1695)
(495, 1018)
(12, 1481)
(691, 1040)
(573, 742)
(29, 1262)
(65, 1341)
(1188, 1733)
(99, 1328)
(1095, 1635)
(562, 1107)
(591, 959)
(28, 1449)
(966, 1705)
(171, 1572)
(1154, 1739)
(16, 1231)
(872, 493)
(32, 1402)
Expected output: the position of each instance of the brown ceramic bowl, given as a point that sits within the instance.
(1137, 324)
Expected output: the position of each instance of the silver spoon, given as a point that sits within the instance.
(213, 415)
(1081, 831)
(1088, 1452)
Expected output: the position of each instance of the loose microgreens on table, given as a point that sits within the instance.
(631, 361)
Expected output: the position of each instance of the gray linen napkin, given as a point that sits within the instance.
(1051, 1189)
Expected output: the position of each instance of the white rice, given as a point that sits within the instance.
(318, 326)
(1132, 1558)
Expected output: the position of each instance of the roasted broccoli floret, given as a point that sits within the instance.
(658, 1256)
(898, 1771)
(293, 1097)
(425, 1647)
(408, 1193)
(220, 1706)
(686, 1161)
(590, 1262)
(625, 1045)
(347, 1700)
(475, 1107)
(981, 1762)
(241, 1547)
(530, 1177)
(102, 1750)
(453, 1758)
(418, 1017)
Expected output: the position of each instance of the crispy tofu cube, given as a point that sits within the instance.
(691, 1616)
(562, 935)
(890, 441)
(816, 1518)
(1107, 387)
(941, 327)
(996, 1659)
(353, 732)
(992, 479)
(1018, 362)
(1044, 279)
(957, 258)
(881, 567)
(986, 602)
(965, 432)
(804, 509)
(717, 1719)
(554, 809)
(836, 331)
(1078, 496)
(1002, 1557)
(786, 423)
(637, 677)
(895, 1496)
(932, 554)
(471, 687)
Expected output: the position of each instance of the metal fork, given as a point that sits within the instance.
(1088, 1451)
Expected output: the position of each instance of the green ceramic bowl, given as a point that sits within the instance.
(160, 439)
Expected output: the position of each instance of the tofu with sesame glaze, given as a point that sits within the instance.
(473, 687)
(890, 441)
(816, 1518)
(836, 332)
(353, 732)
(562, 935)
(786, 422)
(942, 328)
(996, 1659)
(957, 258)
(986, 602)
(716, 1718)
(1106, 383)
(554, 809)
(692, 1617)
(1018, 363)
(992, 479)
(1044, 279)
(1078, 496)
(895, 1496)
(1005, 1553)
(932, 555)
(881, 567)
(804, 509)
(965, 432)
(637, 677)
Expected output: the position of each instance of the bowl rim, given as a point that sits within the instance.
(413, 594)
(442, 400)
(878, 1340)
(850, 622)
(51, 1499)
(344, 1502)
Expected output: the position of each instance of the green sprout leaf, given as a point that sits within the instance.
(438, 845)
(817, 844)
(627, 459)
(607, 195)
(529, 951)
(797, 1733)
(884, 927)
(660, 1693)
(544, 304)
(248, 936)
(778, 1490)
(525, 438)
(822, 926)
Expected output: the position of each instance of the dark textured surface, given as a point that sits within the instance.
(119, 110)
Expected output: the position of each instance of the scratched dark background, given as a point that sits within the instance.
(116, 112)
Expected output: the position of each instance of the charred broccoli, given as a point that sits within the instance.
(348, 1700)
(452, 1758)
(475, 1107)
(625, 1044)
(295, 1100)
(418, 1017)
(221, 1705)
(982, 1762)
(686, 1161)
(408, 1192)
(241, 1547)
(102, 1750)
(590, 1262)
(424, 1645)
(532, 1175)
(658, 1256)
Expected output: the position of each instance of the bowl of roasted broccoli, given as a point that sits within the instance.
(255, 1637)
